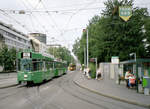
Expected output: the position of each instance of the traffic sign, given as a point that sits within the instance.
(92, 60)
(125, 12)
(115, 60)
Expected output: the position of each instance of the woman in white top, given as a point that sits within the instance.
(128, 73)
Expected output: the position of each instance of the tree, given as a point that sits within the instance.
(110, 36)
(146, 29)
(124, 37)
(7, 58)
(62, 53)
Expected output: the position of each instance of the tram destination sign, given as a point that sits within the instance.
(26, 55)
(125, 12)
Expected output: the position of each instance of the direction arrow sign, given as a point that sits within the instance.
(125, 12)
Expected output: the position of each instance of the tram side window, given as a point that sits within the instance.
(49, 65)
(58, 65)
(46, 65)
(19, 65)
(37, 65)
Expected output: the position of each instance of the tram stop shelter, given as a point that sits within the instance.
(141, 69)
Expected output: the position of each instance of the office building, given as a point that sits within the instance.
(12, 37)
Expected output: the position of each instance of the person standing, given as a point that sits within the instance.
(128, 73)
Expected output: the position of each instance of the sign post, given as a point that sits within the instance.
(125, 12)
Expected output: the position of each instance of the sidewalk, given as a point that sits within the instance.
(8, 75)
(109, 88)
(9, 82)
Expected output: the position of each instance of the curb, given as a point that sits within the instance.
(113, 97)
(3, 87)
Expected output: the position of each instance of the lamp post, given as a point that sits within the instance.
(84, 56)
(87, 46)
(87, 50)
(131, 54)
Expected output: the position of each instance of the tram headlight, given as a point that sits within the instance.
(25, 76)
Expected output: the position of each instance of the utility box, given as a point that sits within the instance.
(146, 82)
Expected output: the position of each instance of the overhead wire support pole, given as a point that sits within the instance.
(84, 56)
(87, 49)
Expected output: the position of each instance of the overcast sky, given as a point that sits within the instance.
(61, 20)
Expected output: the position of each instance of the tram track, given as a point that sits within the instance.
(66, 85)
(71, 88)
(57, 94)
(38, 92)
(10, 91)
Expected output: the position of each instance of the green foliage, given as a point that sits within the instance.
(8, 58)
(147, 33)
(62, 53)
(110, 36)
(93, 70)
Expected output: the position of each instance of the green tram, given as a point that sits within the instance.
(35, 68)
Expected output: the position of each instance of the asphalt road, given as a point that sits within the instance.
(59, 93)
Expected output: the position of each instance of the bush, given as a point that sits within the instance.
(93, 70)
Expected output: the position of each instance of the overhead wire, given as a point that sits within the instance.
(43, 25)
(31, 17)
(68, 6)
(3, 17)
(51, 16)
(77, 10)
(16, 21)
(53, 11)
(24, 5)
(56, 24)
(37, 4)
(57, 11)
(35, 17)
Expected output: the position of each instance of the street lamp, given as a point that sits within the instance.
(131, 54)
(86, 30)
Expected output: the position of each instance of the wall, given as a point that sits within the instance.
(1, 68)
(109, 70)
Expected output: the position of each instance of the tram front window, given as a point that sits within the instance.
(25, 65)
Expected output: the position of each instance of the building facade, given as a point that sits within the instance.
(41, 37)
(13, 38)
